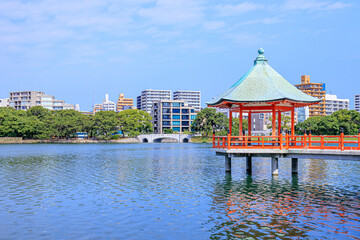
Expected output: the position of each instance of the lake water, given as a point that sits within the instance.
(170, 191)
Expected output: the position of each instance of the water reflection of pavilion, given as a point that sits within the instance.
(283, 210)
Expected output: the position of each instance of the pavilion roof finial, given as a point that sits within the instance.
(261, 58)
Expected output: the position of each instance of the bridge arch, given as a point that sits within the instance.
(185, 140)
(145, 140)
(165, 139)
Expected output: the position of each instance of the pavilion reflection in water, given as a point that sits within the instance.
(274, 209)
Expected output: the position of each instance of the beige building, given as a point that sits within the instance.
(315, 90)
(26, 99)
(124, 103)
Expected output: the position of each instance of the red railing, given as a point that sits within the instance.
(340, 142)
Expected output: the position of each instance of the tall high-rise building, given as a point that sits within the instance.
(334, 104)
(172, 114)
(357, 103)
(26, 99)
(192, 98)
(124, 103)
(315, 90)
(148, 97)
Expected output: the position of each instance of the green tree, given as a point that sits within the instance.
(285, 122)
(168, 131)
(133, 122)
(235, 126)
(208, 120)
(65, 123)
(348, 120)
(105, 123)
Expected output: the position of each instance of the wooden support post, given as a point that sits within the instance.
(227, 163)
(240, 122)
(230, 122)
(279, 123)
(274, 166)
(342, 144)
(293, 121)
(359, 140)
(249, 164)
(273, 121)
(249, 123)
(294, 165)
(281, 141)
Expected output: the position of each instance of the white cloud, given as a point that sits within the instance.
(233, 10)
(313, 5)
(173, 12)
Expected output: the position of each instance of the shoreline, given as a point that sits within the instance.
(90, 141)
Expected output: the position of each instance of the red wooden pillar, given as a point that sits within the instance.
(273, 121)
(249, 123)
(240, 121)
(293, 121)
(279, 123)
(230, 122)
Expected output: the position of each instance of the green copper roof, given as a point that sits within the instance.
(262, 84)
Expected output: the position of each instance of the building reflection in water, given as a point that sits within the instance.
(283, 210)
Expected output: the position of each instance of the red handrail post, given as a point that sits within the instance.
(342, 141)
(281, 141)
(305, 141)
(287, 140)
(359, 141)
(310, 140)
(228, 141)
(322, 142)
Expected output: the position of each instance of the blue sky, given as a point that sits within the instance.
(75, 50)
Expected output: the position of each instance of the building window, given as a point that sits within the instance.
(176, 123)
(185, 117)
(176, 129)
(166, 104)
(167, 110)
(185, 110)
(176, 104)
(166, 123)
(176, 116)
(166, 117)
(176, 110)
(192, 110)
(185, 123)
(193, 117)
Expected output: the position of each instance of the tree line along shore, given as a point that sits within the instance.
(42, 124)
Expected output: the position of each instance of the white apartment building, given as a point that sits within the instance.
(108, 105)
(357, 103)
(26, 99)
(149, 96)
(192, 98)
(333, 104)
(4, 102)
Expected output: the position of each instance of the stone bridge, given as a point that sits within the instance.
(157, 138)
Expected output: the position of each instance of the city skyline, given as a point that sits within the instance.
(80, 51)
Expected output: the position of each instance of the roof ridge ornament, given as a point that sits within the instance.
(261, 58)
